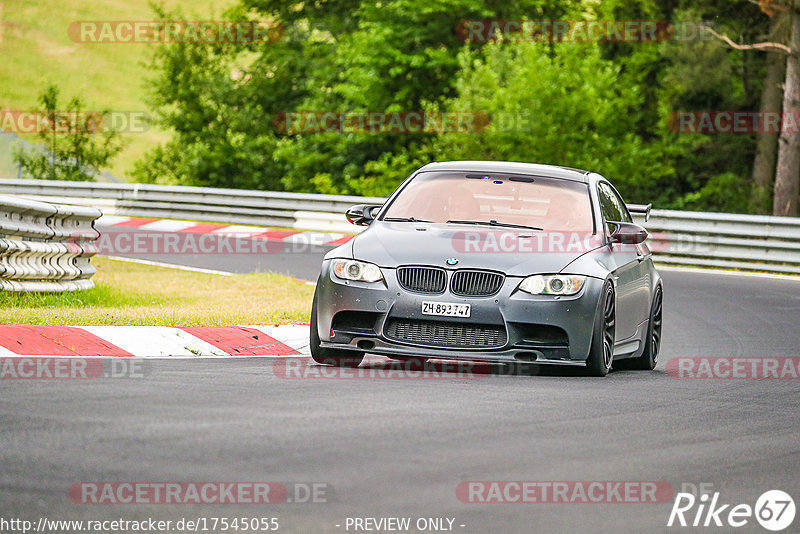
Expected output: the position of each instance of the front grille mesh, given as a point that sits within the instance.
(446, 334)
(476, 283)
(422, 279)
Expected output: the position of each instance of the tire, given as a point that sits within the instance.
(325, 356)
(649, 358)
(601, 353)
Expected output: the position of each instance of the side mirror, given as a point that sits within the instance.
(361, 215)
(628, 233)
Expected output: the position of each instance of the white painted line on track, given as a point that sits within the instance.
(182, 357)
(293, 335)
(170, 265)
(167, 225)
(240, 230)
(155, 341)
(726, 272)
(169, 342)
(5, 353)
(312, 238)
(111, 220)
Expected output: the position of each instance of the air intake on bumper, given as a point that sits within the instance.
(446, 334)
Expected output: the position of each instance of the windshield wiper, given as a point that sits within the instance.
(404, 219)
(495, 223)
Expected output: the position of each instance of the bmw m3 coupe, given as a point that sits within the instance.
(493, 261)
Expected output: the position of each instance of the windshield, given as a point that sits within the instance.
(547, 203)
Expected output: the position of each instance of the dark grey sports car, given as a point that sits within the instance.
(493, 261)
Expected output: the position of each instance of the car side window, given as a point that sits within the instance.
(610, 204)
(620, 204)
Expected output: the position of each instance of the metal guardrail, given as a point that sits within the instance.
(749, 242)
(233, 206)
(723, 240)
(46, 247)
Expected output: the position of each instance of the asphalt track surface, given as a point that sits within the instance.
(301, 260)
(399, 448)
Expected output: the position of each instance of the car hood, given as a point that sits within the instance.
(515, 252)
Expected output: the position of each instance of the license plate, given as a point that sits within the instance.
(446, 309)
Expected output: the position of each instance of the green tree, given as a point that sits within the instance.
(219, 101)
(397, 56)
(604, 106)
(561, 105)
(77, 142)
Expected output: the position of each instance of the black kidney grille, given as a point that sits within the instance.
(476, 283)
(446, 334)
(422, 279)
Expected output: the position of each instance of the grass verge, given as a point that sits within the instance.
(135, 294)
(36, 48)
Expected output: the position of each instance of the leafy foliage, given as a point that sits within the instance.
(560, 105)
(78, 142)
(604, 106)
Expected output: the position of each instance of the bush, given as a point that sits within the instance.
(75, 148)
(559, 105)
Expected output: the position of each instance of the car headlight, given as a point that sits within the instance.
(360, 271)
(553, 284)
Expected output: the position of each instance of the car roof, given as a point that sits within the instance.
(511, 167)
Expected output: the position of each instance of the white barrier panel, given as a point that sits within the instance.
(46, 247)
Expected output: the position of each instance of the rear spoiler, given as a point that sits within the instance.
(640, 209)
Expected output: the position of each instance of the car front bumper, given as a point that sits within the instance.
(542, 329)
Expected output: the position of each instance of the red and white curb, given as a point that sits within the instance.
(255, 232)
(154, 341)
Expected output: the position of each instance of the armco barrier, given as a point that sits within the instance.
(723, 240)
(751, 242)
(234, 206)
(46, 247)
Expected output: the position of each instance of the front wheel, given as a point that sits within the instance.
(601, 354)
(326, 356)
(649, 358)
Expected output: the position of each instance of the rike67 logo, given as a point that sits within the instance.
(774, 510)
